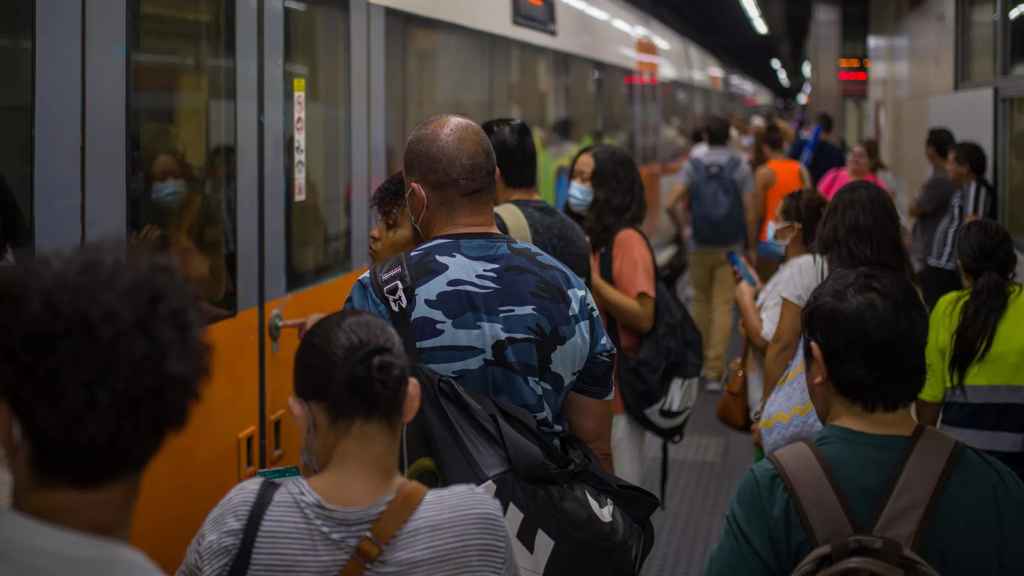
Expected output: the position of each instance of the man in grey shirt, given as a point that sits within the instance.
(101, 356)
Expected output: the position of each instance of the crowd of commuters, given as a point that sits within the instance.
(510, 301)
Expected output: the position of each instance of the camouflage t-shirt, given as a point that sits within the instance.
(505, 319)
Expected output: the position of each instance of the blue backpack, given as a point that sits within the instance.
(716, 204)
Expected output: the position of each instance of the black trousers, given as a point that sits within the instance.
(936, 283)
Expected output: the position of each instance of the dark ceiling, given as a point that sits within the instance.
(722, 28)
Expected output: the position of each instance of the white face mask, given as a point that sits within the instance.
(773, 234)
(581, 196)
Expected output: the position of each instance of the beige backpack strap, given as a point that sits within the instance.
(400, 509)
(917, 487)
(818, 503)
(515, 221)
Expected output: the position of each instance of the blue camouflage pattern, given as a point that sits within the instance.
(505, 319)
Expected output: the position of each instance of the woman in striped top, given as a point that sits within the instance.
(352, 397)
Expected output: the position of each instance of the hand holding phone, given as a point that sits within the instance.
(740, 266)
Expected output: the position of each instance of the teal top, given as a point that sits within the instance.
(976, 526)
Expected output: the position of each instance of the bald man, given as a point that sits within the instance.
(499, 316)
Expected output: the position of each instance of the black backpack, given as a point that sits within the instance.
(564, 513)
(839, 547)
(716, 203)
(659, 383)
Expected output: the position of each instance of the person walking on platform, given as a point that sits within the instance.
(718, 189)
(859, 166)
(478, 315)
(101, 358)
(958, 509)
(776, 179)
(352, 397)
(819, 152)
(608, 194)
(928, 209)
(521, 213)
(973, 198)
(976, 350)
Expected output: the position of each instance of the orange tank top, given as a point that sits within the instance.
(787, 181)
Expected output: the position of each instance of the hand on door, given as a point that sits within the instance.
(303, 324)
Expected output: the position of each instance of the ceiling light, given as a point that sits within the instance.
(661, 43)
(1017, 11)
(623, 25)
(802, 99)
(784, 81)
(806, 69)
(776, 63)
(595, 12)
(754, 14)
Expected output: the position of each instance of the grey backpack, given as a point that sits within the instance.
(888, 549)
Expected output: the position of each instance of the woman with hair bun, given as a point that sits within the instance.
(976, 350)
(353, 396)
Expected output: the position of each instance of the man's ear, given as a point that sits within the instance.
(413, 396)
(817, 374)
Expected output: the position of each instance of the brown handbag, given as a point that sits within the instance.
(732, 407)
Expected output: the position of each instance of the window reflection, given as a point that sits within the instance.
(182, 189)
(979, 51)
(16, 95)
(317, 175)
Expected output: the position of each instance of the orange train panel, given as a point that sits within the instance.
(323, 298)
(198, 466)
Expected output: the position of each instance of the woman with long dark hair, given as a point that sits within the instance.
(606, 197)
(976, 350)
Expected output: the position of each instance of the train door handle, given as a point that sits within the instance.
(275, 325)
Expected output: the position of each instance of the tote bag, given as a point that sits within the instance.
(789, 415)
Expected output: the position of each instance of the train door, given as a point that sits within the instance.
(222, 132)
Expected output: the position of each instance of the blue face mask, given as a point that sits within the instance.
(580, 198)
(169, 192)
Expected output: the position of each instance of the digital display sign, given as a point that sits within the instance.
(536, 14)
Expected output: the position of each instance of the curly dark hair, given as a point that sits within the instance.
(389, 197)
(353, 363)
(101, 356)
(619, 200)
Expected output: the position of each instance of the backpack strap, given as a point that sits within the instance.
(240, 565)
(405, 503)
(822, 511)
(611, 325)
(392, 284)
(515, 221)
(928, 465)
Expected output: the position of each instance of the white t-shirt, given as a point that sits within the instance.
(802, 277)
(769, 306)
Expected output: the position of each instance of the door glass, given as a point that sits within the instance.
(317, 131)
(181, 140)
(979, 48)
(1015, 33)
(1014, 190)
(16, 97)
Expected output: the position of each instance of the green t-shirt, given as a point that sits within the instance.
(977, 526)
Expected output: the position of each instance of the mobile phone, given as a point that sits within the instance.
(740, 266)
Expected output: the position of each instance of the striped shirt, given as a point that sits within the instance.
(458, 531)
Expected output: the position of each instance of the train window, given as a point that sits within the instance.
(181, 123)
(16, 49)
(617, 109)
(318, 180)
(978, 33)
(1014, 202)
(1015, 35)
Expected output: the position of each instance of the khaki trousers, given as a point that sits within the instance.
(714, 287)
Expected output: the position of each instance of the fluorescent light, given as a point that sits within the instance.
(754, 14)
(784, 81)
(806, 69)
(716, 71)
(577, 4)
(595, 12)
(776, 64)
(661, 43)
(623, 25)
(802, 99)
(1017, 11)
(641, 31)
(295, 5)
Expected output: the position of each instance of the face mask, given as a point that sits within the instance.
(169, 192)
(773, 234)
(580, 198)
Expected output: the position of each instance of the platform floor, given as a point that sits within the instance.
(704, 471)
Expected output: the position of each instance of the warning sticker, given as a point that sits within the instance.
(299, 136)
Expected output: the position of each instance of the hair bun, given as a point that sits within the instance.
(387, 371)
